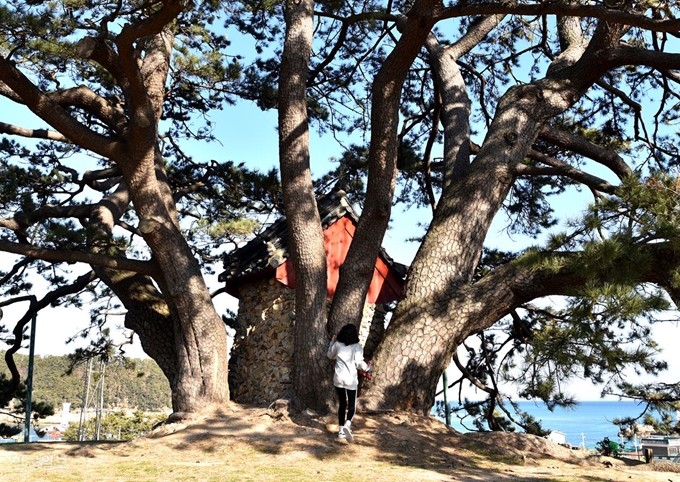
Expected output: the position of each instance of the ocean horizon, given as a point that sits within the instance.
(585, 425)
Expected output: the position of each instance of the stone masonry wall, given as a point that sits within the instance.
(262, 355)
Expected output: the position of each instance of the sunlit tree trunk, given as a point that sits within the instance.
(311, 383)
(440, 306)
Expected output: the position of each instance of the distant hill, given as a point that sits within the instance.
(136, 384)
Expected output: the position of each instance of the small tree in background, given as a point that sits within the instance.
(13, 405)
(115, 426)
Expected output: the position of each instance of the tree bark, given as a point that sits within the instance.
(440, 308)
(199, 334)
(311, 380)
(356, 272)
(186, 336)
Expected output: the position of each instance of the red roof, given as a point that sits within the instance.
(385, 286)
(266, 255)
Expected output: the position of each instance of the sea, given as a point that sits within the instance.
(584, 425)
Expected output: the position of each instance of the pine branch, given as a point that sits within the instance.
(621, 17)
(579, 145)
(33, 310)
(47, 134)
(61, 256)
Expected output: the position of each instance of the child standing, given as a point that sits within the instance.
(348, 356)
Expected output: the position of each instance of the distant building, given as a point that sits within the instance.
(46, 434)
(557, 437)
(65, 408)
(662, 447)
(50, 434)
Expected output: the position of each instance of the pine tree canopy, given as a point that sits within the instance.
(558, 120)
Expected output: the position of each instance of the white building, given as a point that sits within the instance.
(557, 437)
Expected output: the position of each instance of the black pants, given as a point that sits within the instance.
(348, 402)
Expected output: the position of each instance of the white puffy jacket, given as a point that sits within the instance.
(348, 358)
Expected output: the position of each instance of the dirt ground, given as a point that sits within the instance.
(238, 443)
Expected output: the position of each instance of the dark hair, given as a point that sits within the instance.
(348, 335)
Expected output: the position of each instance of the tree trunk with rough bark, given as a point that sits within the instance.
(178, 325)
(441, 307)
(199, 335)
(357, 270)
(311, 383)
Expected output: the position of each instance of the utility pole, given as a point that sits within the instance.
(86, 398)
(100, 402)
(447, 408)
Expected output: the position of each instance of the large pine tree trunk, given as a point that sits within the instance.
(193, 366)
(311, 383)
(198, 333)
(186, 336)
(357, 270)
(436, 309)
(440, 306)
(181, 332)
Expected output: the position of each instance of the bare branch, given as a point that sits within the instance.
(96, 49)
(153, 25)
(621, 95)
(77, 211)
(565, 9)
(15, 269)
(561, 168)
(33, 310)
(218, 291)
(10, 224)
(13, 130)
(427, 155)
(672, 75)
(470, 377)
(475, 34)
(53, 114)
(346, 23)
(61, 256)
(578, 145)
(626, 55)
(513, 284)
(5, 91)
(94, 104)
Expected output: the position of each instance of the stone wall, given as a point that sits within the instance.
(262, 355)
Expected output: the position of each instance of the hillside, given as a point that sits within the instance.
(135, 384)
(238, 443)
